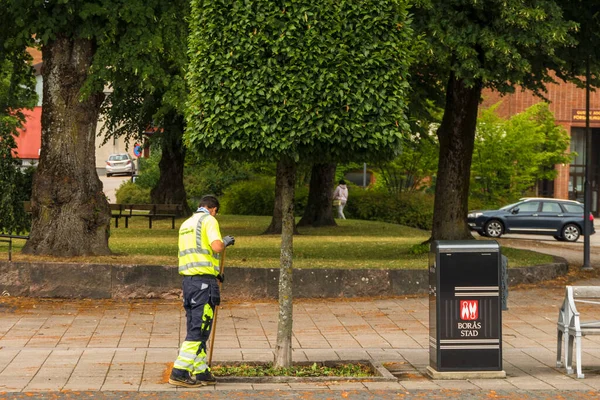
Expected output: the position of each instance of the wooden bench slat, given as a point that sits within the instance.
(592, 292)
(149, 211)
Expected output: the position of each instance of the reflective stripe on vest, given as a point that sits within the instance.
(194, 259)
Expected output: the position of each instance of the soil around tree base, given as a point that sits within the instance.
(379, 373)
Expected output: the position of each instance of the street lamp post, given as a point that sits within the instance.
(587, 228)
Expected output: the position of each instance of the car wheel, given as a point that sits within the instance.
(571, 232)
(494, 228)
(560, 239)
(108, 175)
(482, 233)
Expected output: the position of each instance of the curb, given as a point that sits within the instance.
(101, 281)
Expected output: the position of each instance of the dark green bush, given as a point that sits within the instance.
(257, 197)
(300, 200)
(417, 249)
(132, 193)
(149, 172)
(16, 188)
(410, 209)
(213, 177)
(254, 197)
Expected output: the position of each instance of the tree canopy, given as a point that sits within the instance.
(299, 78)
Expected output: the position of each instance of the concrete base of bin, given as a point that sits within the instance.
(433, 374)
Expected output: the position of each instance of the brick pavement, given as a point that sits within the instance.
(99, 345)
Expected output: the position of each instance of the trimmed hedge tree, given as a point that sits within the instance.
(297, 80)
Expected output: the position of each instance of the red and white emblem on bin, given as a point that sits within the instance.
(469, 310)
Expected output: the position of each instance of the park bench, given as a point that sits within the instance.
(8, 239)
(150, 211)
(571, 328)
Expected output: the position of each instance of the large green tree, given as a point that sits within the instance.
(148, 90)
(70, 212)
(291, 81)
(472, 45)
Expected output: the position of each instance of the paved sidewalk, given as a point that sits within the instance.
(99, 345)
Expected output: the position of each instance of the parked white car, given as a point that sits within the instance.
(121, 163)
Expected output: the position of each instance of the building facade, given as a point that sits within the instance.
(567, 103)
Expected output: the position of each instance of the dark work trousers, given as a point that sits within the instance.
(201, 295)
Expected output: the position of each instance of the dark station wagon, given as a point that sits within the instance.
(562, 219)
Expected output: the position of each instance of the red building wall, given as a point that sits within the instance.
(29, 140)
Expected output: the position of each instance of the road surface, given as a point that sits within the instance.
(110, 185)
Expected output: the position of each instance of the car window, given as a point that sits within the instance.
(118, 157)
(551, 207)
(508, 207)
(573, 208)
(529, 206)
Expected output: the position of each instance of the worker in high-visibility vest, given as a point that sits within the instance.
(200, 243)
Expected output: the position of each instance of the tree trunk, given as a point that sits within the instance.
(70, 213)
(318, 211)
(283, 348)
(456, 135)
(275, 228)
(170, 188)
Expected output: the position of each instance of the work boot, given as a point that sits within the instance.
(206, 378)
(180, 377)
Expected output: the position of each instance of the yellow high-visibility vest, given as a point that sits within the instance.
(196, 257)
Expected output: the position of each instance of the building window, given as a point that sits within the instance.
(577, 167)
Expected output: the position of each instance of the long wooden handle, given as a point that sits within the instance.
(214, 324)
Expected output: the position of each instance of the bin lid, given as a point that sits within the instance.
(464, 246)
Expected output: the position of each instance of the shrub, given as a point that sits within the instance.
(254, 197)
(132, 193)
(213, 177)
(417, 249)
(257, 197)
(411, 209)
(300, 200)
(16, 188)
(149, 172)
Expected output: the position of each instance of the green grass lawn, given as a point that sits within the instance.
(352, 244)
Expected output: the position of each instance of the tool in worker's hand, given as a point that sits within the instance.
(214, 326)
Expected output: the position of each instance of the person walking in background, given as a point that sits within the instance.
(340, 197)
(199, 246)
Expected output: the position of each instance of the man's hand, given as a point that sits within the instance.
(228, 241)
(221, 277)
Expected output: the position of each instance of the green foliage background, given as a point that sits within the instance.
(512, 155)
(413, 209)
(17, 91)
(257, 197)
